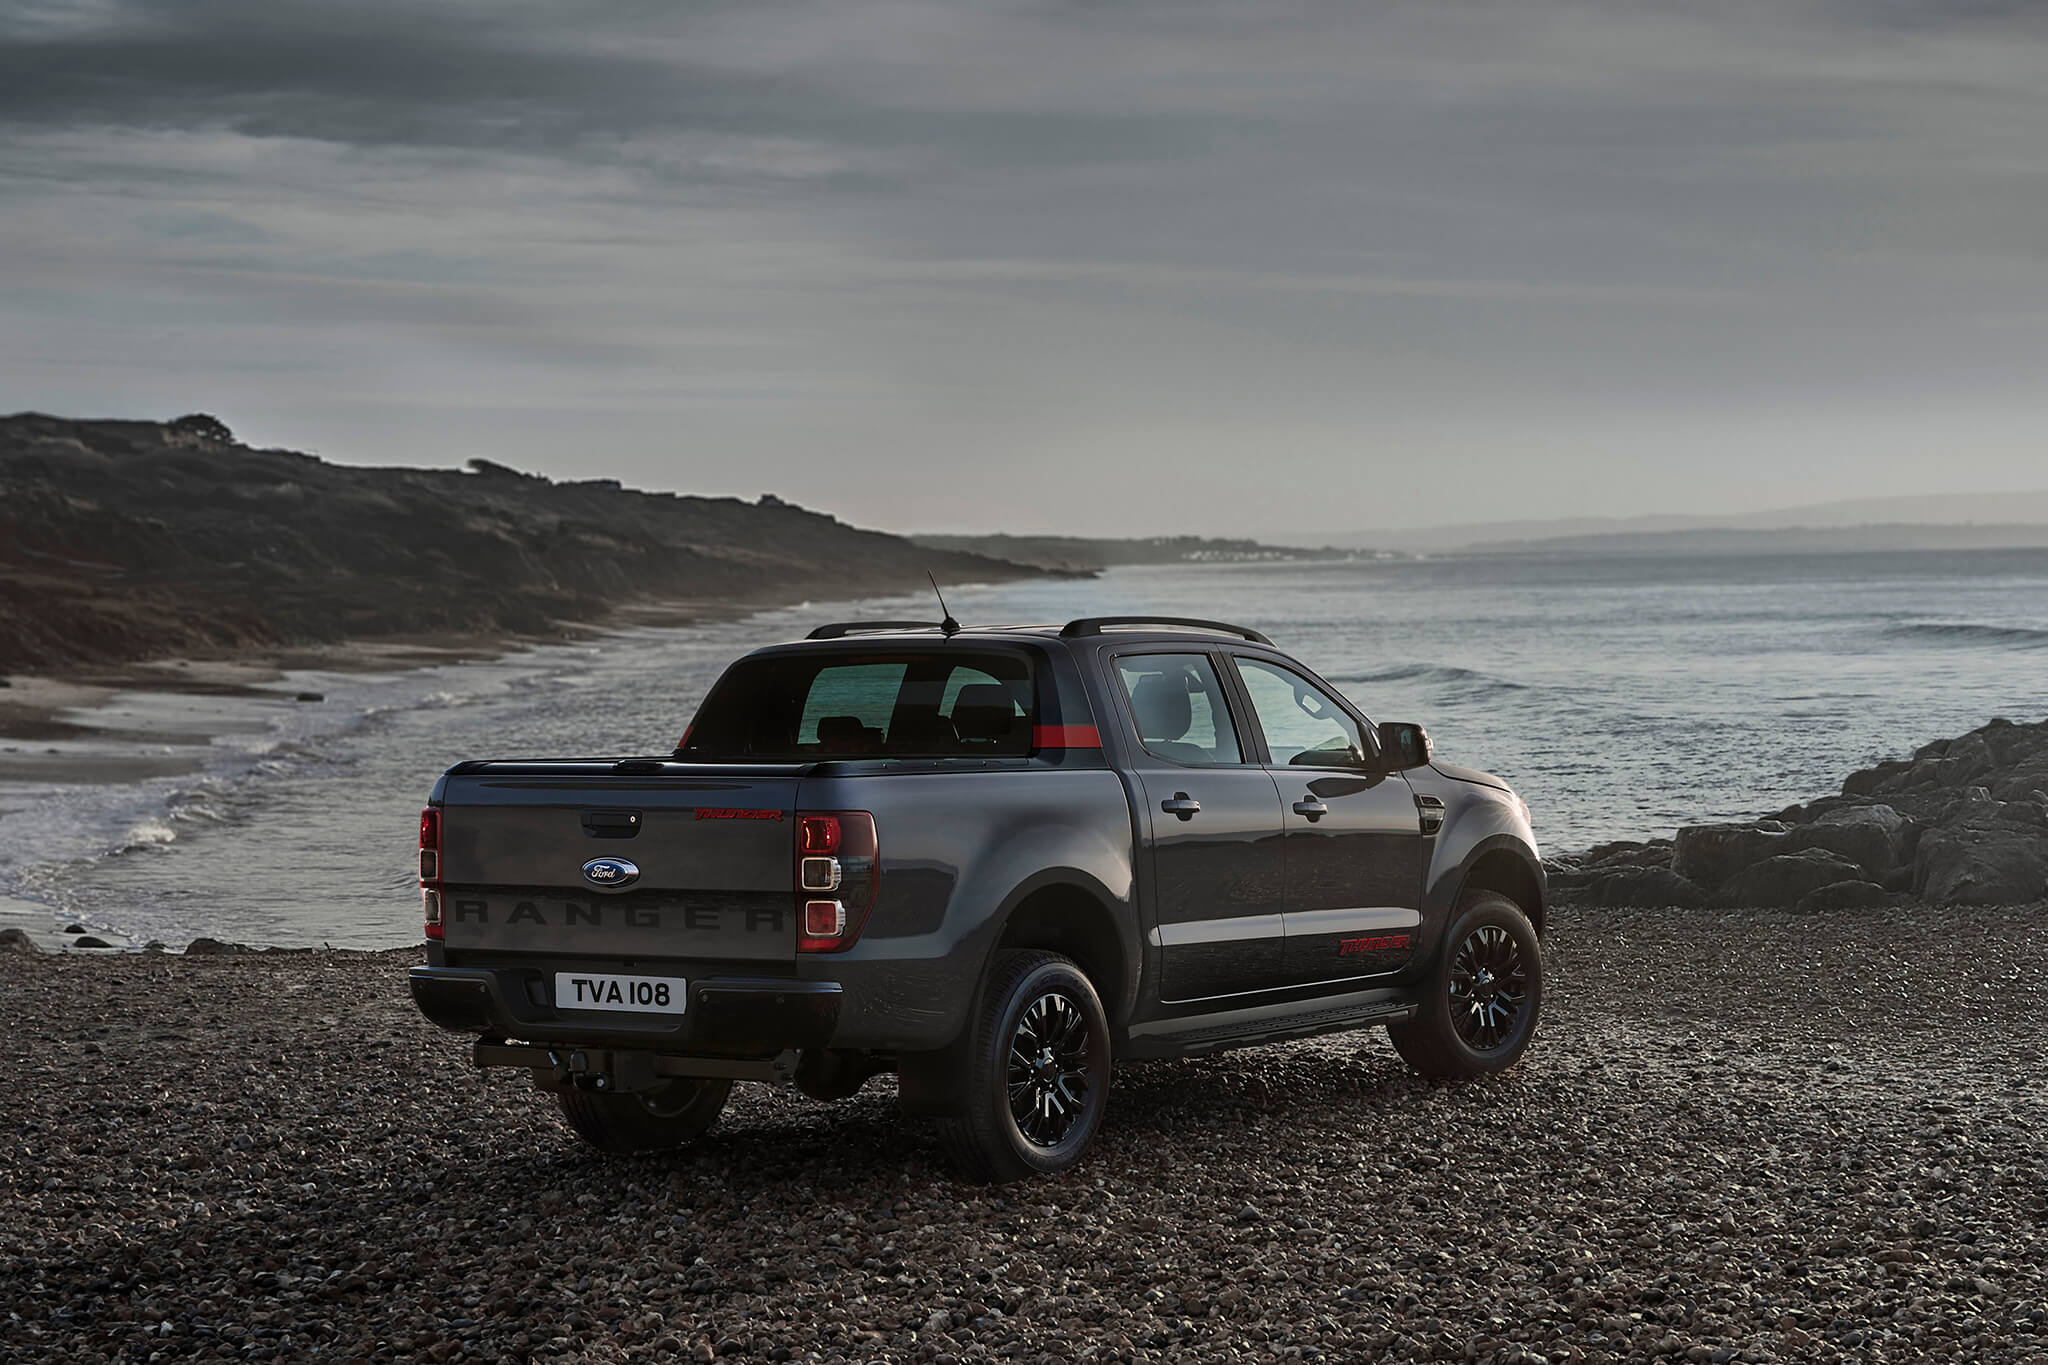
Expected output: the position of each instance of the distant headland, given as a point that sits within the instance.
(129, 540)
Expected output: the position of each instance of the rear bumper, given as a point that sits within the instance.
(726, 1016)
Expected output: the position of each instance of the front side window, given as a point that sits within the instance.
(810, 705)
(1304, 725)
(1178, 704)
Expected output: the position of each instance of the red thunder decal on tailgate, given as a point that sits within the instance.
(1345, 947)
(1065, 737)
(728, 813)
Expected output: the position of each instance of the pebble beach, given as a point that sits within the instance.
(1741, 1136)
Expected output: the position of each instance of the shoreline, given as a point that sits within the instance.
(123, 727)
(36, 708)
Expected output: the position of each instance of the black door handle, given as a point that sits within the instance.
(1312, 808)
(1181, 805)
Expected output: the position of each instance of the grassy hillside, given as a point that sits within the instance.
(127, 540)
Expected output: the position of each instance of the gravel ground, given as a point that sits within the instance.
(1746, 1136)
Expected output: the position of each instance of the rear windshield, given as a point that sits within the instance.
(951, 704)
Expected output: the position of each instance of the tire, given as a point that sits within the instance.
(677, 1113)
(1007, 1122)
(1473, 1022)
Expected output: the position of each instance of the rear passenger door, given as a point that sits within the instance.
(1355, 853)
(1214, 817)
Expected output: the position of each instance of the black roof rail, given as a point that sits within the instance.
(839, 630)
(1092, 625)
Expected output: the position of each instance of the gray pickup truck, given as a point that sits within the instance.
(991, 860)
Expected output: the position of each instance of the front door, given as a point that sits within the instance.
(1355, 853)
(1216, 847)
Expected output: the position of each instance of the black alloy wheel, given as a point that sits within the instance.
(1030, 1079)
(1479, 1007)
(1489, 987)
(1049, 1062)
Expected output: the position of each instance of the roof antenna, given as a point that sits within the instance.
(947, 625)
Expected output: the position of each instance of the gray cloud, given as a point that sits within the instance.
(1228, 266)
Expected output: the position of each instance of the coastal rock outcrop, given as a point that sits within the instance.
(1857, 895)
(1785, 879)
(1980, 865)
(1964, 821)
(1708, 855)
(1645, 886)
(1875, 837)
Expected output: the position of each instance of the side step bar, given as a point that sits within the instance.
(1200, 1034)
(626, 1070)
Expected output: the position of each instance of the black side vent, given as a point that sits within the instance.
(1432, 812)
(638, 767)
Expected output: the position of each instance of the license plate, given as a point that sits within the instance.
(634, 994)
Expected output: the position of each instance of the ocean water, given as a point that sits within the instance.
(1621, 696)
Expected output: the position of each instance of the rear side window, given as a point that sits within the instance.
(798, 707)
(848, 698)
(1179, 708)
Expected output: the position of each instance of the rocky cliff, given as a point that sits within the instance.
(1962, 822)
(128, 540)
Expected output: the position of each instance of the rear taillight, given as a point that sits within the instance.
(838, 877)
(823, 921)
(430, 846)
(818, 834)
(430, 870)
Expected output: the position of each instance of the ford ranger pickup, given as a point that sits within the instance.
(991, 860)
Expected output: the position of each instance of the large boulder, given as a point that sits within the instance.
(1979, 809)
(1787, 878)
(1709, 855)
(1988, 864)
(2017, 784)
(212, 947)
(1883, 777)
(1627, 853)
(1649, 886)
(1845, 896)
(1875, 838)
(1963, 761)
(17, 941)
(1933, 748)
(2012, 744)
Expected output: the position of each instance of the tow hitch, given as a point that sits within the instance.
(624, 1070)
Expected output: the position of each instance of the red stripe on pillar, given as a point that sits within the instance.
(1065, 737)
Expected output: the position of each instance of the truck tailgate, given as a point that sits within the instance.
(703, 866)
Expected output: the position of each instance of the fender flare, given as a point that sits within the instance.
(924, 1078)
(1120, 915)
(1449, 882)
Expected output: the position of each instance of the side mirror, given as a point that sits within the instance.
(1403, 746)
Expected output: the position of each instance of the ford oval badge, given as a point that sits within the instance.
(610, 874)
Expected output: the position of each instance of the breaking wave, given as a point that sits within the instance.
(147, 834)
(1970, 633)
(1467, 680)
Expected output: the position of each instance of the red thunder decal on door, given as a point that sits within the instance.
(1345, 947)
(728, 813)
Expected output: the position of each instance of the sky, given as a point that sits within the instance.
(1260, 268)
